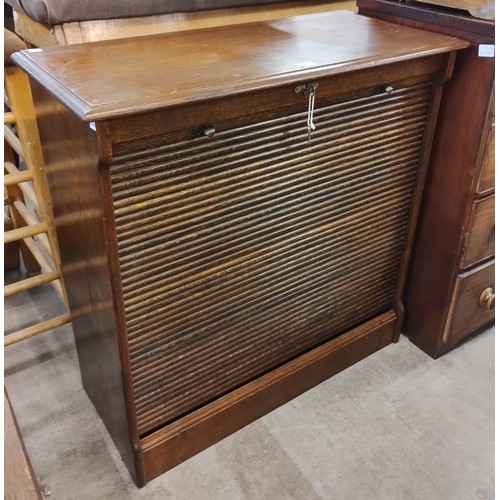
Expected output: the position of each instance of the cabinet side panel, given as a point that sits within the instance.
(448, 196)
(72, 164)
(452, 172)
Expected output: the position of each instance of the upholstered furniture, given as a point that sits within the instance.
(64, 22)
(52, 12)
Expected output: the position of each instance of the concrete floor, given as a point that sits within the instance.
(396, 426)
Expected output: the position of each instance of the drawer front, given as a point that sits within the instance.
(480, 240)
(487, 175)
(472, 303)
(241, 251)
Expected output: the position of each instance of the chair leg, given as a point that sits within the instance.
(12, 259)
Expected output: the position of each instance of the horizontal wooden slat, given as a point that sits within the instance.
(45, 265)
(9, 118)
(23, 232)
(208, 367)
(144, 330)
(13, 179)
(32, 220)
(15, 176)
(28, 283)
(298, 233)
(37, 329)
(21, 177)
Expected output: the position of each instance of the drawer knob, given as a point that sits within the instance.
(487, 298)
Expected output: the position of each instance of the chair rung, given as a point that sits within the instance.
(31, 331)
(28, 283)
(13, 179)
(23, 232)
(31, 220)
(45, 265)
(27, 189)
(9, 118)
(13, 140)
(11, 168)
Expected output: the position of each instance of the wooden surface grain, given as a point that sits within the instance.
(429, 17)
(461, 144)
(71, 152)
(19, 479)
(467, 311)
(122, 77)
(479, 242)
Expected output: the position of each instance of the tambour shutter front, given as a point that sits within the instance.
(241, 251)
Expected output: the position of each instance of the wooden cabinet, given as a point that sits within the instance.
(455, 234)
(234, 208)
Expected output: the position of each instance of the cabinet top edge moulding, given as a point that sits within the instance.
(104, 80)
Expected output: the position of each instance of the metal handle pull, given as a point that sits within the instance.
(385, 89)
(207, 131)
(487, 298)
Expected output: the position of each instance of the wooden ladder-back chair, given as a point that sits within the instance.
(26, 193)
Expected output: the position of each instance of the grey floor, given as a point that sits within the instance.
(396, 426)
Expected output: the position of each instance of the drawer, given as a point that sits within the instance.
(472, 303)
(480, 239)
(487, 176)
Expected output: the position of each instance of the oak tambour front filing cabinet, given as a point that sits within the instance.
(234, 208)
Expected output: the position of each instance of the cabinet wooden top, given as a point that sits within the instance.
(128, 76)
